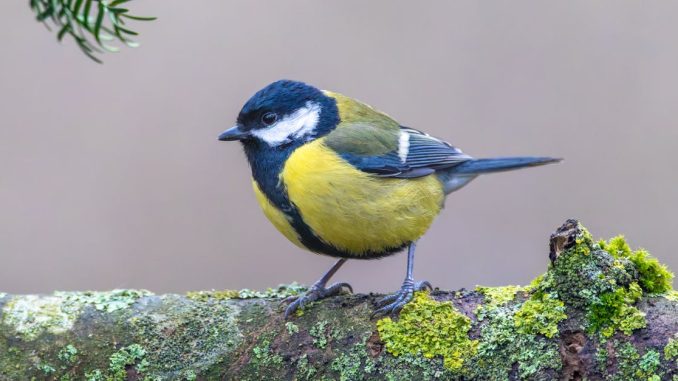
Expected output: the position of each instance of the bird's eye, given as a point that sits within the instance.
(269, 118)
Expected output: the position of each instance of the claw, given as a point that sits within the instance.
(424, 285)
(316, 292)
(338, 288)
(394, 303)
(387, 300)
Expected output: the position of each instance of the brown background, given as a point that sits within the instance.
(111, 175)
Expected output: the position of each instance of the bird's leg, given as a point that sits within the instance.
(318, 290)
(395, 302)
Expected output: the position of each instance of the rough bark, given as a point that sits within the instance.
(600, 312)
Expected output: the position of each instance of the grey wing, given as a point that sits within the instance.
(417, 155)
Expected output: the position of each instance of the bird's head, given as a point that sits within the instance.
(284, 113)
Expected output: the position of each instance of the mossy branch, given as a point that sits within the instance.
(600, 312)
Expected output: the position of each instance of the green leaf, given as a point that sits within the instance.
(130, 32)
(100, 20)
(76, 7)
(115, 3)
(85, 13)
(118, 10)
(112, 49)
(65, 29)
(47, 13)
(138, 18)
(89, 28)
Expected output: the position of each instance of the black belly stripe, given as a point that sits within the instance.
(309, 239)
(267, 164)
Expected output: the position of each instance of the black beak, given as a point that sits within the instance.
(234, 133)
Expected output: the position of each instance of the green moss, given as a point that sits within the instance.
(632, 366)
(602, 357)
(649, 363)
(95, 375)
(132, 355)
(264, 358)
(318, 332)
(540, 315)
(45, 368)
(627, 361)
(583, 242)
(291, 328)
(348, 366)
(182, 335)
(616, 246)
(615, 311)
(357, 365)
(671, 348)
(429, 328)
(495, 297)
(282, 291)
(501, 348)
(605, 280)
(204, 296)
(106, 301)
(654, 277)
(581, 274)
(68, 354)
(304, 370)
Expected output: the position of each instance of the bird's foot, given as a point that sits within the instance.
(392, 304)
(316, 292)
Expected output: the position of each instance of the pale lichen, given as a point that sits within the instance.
(31, 315)
(185, 335)
(501, 348)
(106, 301)
(630, 365)
(282, 291)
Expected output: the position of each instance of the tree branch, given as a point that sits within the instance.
(600, 312)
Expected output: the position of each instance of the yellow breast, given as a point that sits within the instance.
(355, 211)
(277, 218)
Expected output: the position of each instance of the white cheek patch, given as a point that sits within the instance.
(403, 146)
(300, 123)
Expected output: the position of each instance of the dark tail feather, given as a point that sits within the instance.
(499, 164)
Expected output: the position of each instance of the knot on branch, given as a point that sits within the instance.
(564, 238)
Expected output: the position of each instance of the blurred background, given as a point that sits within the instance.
(111, 175)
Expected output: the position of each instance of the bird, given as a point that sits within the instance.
(339, 178)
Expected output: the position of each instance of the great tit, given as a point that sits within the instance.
(339, 178)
